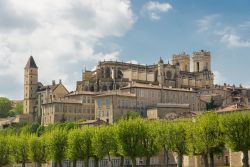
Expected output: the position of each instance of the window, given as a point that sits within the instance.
(83, 99)
(198, 66)
(99, 102)
(107, 102)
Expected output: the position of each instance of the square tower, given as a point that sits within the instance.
(201, 61)
(182, 60)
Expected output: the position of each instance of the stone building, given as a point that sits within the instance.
(136, 97)
(111, 75)
(52, 103)
(113, 105)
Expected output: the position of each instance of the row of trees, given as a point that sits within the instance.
(7, 108)
(204, 135)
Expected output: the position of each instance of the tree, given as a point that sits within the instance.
(104, 142)
(5, 107)
(205, 137)
(131, 133)
(150, 141)
(165, 131)
(37, 150)
(18, 109)
(75, 146)
(236, 128)
(20, 149)
(56, 145)
(4, 151)
(87, 146)
(179, 140)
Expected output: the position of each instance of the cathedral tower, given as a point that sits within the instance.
(30, 87)
(201, 61)
(182, 60)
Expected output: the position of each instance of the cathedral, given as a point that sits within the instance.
(112, 75)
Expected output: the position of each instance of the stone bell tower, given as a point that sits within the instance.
(30, 88)
(201, 61)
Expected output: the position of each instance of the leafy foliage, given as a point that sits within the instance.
(5, 107)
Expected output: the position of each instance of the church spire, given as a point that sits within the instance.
(31, 63)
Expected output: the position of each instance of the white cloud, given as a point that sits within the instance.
(206, 22)
(234, 40)
(231, 35)
(61, 34)
(153, 9)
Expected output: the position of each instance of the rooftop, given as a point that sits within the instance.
(31, 63)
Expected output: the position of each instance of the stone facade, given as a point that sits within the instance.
(168, 111)
(112, 75)
(66, 110)
(113, 105)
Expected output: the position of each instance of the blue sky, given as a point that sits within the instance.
(65, 36)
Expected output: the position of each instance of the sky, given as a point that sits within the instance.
(65, 37)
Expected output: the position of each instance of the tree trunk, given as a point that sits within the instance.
(74, 163)
(133, 162)
(121, 161)
(180, 160)
(166, 156)
(55, 164)
(211, 157)
(245, 158)
(23, 164)
(60, 164)
(38, 164)
(147, 161)
(86, 162)
(110, 161)
(205, 160)
(96, 161)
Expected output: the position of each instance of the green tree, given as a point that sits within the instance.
(131, 133)
(236, 128)
(179, 141)
(105, 142)
(150, 140)
(5, 107)
(87, 146)
(56, 142)
(37, 150)
(20, 149)
(18, 109)
(4, 151)
(165, 131)
(75, 146)
(205, 137)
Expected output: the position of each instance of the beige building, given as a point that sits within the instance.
(53, 103)
(140, 98)
(150, 95)
(65, 110)
(169, 111)
(112, 75)
(111, 106)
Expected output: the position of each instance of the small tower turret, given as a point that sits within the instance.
(160, 76)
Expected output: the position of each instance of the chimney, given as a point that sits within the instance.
(53, 82)
(60, 81)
